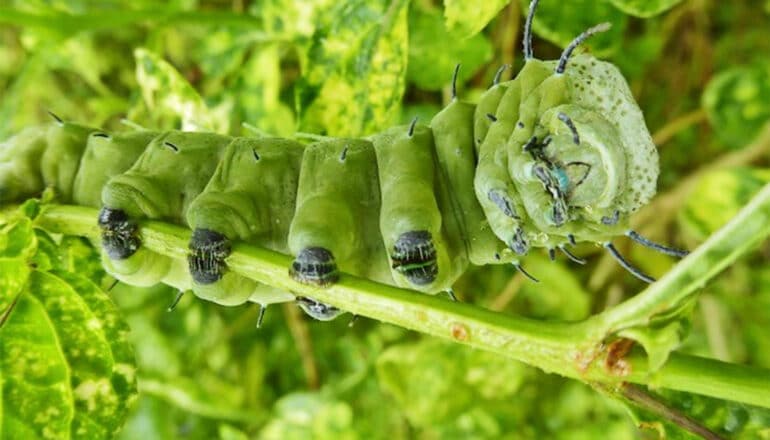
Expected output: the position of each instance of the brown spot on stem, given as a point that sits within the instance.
(460, 332)
(615, 363)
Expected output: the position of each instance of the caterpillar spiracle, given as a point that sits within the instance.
(558, 155)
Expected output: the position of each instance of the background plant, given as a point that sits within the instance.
(697, 68)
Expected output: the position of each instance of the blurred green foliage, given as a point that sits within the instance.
(698, 68)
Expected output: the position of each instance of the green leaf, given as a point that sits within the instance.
(167, 93)
(354, 69)
(717, 197)
(469, 18)
(309, 415)
(644, 8)
(737, 102)
(434, 52)
(67, 326)
(561, 22)
(434, 381)
(17, 245)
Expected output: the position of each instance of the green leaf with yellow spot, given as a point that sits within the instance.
(434, 51)
(737, 102)
(354, 69)
(469, 18)
(68, 369)
(166, 92)
(17, 245)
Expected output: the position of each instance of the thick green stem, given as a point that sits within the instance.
(568, 349)
(744, 232)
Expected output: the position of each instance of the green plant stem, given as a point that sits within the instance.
(744, 232)
(568, 349)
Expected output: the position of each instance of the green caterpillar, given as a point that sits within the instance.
(558, 155)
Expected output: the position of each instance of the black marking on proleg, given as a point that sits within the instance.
(491, 117)
(627, 266)
(571, 125)
(100, 135)
(256, 155)
(572, 256)
(499, 74)
(580, 164)
(518, 242)
(261, 316)
(501, 200)
(520, 124)
(58, 119)
(552, 254)
(208, 250)
(497, 256)
(177, 298)
(454, 81)
(571, 239)
(609, 221)
(172, 146)
(576, 42)
(528, 53)
(524, 272)
(315, 266)
(120, 237)
(414, 255)
(344, 154)
(318, 310)
(680, 253)
(410, 131)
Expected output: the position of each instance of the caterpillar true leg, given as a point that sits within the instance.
(451, 293)
(626, 265)
(633, 235)
(572, 256)
(524, 272)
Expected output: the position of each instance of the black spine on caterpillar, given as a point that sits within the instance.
(540, 161)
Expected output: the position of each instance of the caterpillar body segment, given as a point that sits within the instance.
(453, 137)
(335, 226)
(257, 210)
(170, 173)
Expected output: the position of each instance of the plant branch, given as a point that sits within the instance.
(568, 349)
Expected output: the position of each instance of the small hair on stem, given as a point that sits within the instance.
(454, 81)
